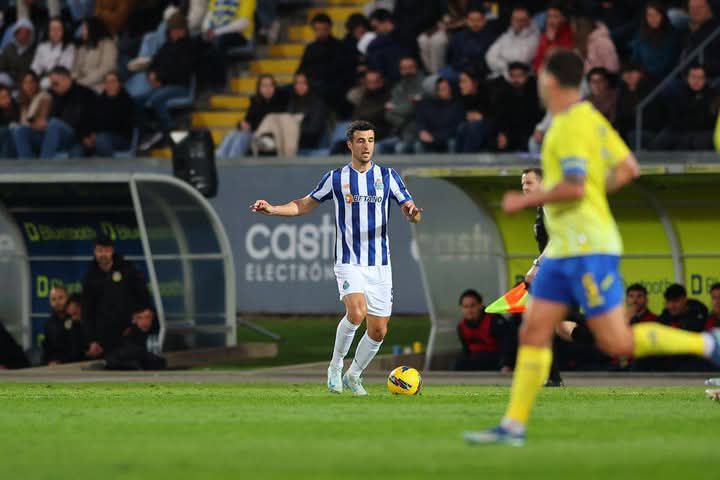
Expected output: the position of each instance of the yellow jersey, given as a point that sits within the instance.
(717, 135)
(582, 142)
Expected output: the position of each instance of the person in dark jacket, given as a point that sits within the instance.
(518, 108)
(9, 114)
(411, 21)
(476, 133)
(314, 123)
(327, 65)
(702, 24)
(385, 51)
(267, 99)
(132, 353)
(469, 46)
(170, 75)
(657, 45)
(481, 335)
(71, 119)
(64, 333)
(11, 354)
(634, 87)
(636, 303)
(694, 112)
(115, 118)
(112, 288)
(438, 119)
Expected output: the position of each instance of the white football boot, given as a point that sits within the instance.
(334, 381)
(354, 384)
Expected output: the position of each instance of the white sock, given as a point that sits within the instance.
(366, 351)
(709, 344)
(513, 426)
(343, 340)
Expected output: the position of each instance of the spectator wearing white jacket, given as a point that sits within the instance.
(57, 51)
(518, 44)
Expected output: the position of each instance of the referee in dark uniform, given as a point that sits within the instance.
(531, 181)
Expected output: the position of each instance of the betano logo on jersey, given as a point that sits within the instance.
(349, 198)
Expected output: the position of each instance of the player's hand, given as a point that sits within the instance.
(262, 206)
(513, 202)
(413, 213)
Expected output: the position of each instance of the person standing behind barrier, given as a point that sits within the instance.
(112, 289)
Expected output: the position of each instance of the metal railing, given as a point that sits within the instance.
(697, 53)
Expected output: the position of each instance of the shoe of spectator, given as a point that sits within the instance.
(139, 64)
(152, 141)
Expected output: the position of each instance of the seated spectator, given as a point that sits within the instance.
(357, 27)
(132, 352)
(693, 116)
(370, 103)
(69, 121)
(327, 66)
(702, 24)
(35, 105)
(518, 44)
(476, 133)
(469, 46)
(64, 335)
(557, 33)
(634, 87)
(9, 114)
(434, 42)
(592, 41)
(56, 51)
(112, 129)
(481, 335)
(17, 55)
(267, 99)
(11, 354)
(518, 109)
(400, 110)
(602, 95)
(536, 139)
(169, 76)
(411, 21)
(713, 320)
(385, 51)
(114, 13)
(97, 55)
(438, 119)
(656, 46)
(229, 23)
(636, 302)
(314, 123)
(683, 312)
(112, 289)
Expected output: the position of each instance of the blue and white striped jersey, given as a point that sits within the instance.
(361, 212)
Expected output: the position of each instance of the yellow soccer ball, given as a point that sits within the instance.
(404, 381)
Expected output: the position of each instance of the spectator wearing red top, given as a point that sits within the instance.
(713, 320)
(637, 305)
(557, 34)
(480, 334)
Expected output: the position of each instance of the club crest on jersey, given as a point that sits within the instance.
(379, 185)
(346, 285)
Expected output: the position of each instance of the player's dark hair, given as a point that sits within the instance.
(358, 126)
(636, 287)
(714, 286)
(519, 66)
(321, 18)
(356, 20)
(675, 292)
(60, 70)
(75, 298)
(566, 66)
(599, 71)
(471, 293)
(103, 240)
(536, 170)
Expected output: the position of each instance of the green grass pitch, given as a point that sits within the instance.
(181, 431)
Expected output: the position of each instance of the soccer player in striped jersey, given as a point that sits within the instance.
(361, 193)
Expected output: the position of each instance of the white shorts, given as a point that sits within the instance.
(374, 282)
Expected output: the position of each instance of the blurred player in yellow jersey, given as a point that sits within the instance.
(583, 159)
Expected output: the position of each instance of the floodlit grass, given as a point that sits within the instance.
(180, 431)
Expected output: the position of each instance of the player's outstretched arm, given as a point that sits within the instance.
(412, 212)
(296, 208)
(570, 189)
(624, 173)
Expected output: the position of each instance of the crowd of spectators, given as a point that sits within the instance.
(459, 76)
(489, 341)
(99, 77)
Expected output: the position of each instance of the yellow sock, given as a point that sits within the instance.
(531, 371)
(655, 339)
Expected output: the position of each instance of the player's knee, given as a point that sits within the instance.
(534, 335)
(377, 333)
(357, 313)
